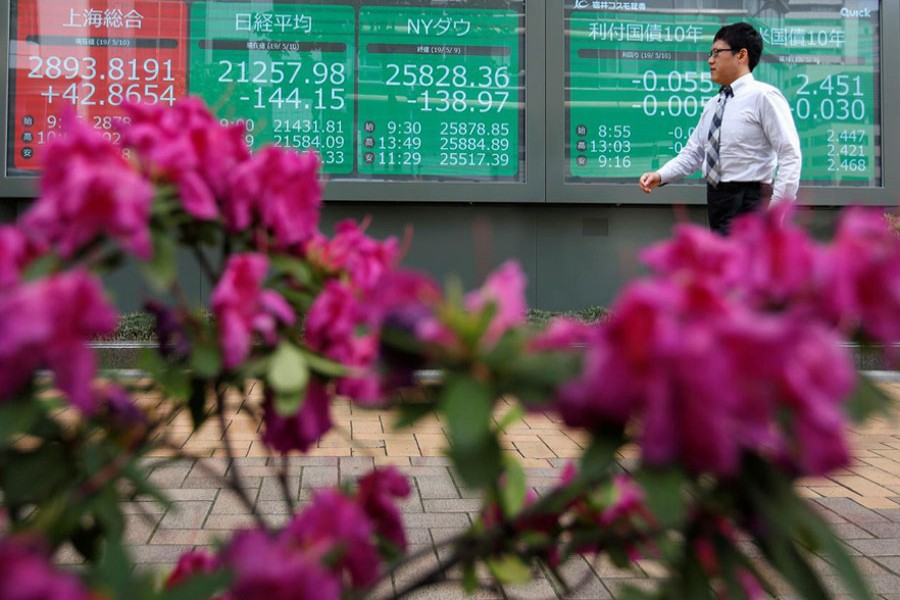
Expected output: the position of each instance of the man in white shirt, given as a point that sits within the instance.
(744, 135)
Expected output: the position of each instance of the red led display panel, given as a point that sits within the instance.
(88, 58)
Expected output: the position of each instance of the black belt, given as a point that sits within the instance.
(728, 186)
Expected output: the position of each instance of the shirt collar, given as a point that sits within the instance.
(741, 82)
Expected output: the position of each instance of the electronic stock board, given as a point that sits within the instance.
(638, 81)
(435, 90)
(382, 90)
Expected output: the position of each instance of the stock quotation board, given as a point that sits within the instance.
(400, 90)
(434, 90)
(638, 79)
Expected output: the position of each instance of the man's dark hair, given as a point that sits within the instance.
(742, 35)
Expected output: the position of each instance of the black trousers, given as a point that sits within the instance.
(732, 198)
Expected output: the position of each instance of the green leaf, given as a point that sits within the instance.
(868, 399)
(114, 577)
(35, 475)
(324, 366)
(467, 404)
(160, 270)
(206, 360)
(600, 456)
(478, 466)
(826, 541)
(197, 401)
(175, 382)
(137, 474)
(512, 492)
(288, 369)
(18, 417)
(509, 568)
(513, 415)
(664, 490)
(694, 580)
(288, 404)
(409, 414)
(629, 592)
(469, 578)
(297, 270)
(288, 376)
(771, 496)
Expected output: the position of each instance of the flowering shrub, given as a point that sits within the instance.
(725, 367)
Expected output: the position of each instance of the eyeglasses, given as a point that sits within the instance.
(715, 52)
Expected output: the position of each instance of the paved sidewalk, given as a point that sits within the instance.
(862, 501)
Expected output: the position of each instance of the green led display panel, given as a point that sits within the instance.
(637, 81)
(441, 92)
(827, 70)
(285, 70)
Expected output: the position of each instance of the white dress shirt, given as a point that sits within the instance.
(757, 135)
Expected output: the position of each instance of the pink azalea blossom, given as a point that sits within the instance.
(697, 251)
(563, 333)
(338, 325)
(281, 188)
(377, 491)
(336, 526)
(26, 573)
(185, 145)
(704, 377)
(780, 263)
(301, 430)
(813, 383)
(88, 190)
(46, 324)
(270, 568)
(241, 307)
(627, 501)
(364, 259)
(865, 291)
(192, 563)
(505, 290)
(16, 252)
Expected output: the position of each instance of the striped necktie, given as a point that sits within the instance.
(713, 175)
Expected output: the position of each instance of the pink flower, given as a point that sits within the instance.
(627, 500)
(703, 379)
(46, 324)
(88, 190)
(696, 251)
(190, 564)
(185, 145)
(563, 333)
(339, 326)
(336, 526)
(813, 383)
(376, 495)
(364, 259)
(780, 263)
(16, 251)
(241, 307)
(504, 289)
(27, 574)
(282, 189)
(865, 291)
(273, 568)
(302, 430)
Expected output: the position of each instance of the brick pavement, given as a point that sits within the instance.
(862, 501)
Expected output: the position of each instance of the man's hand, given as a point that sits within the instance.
(648, 181)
